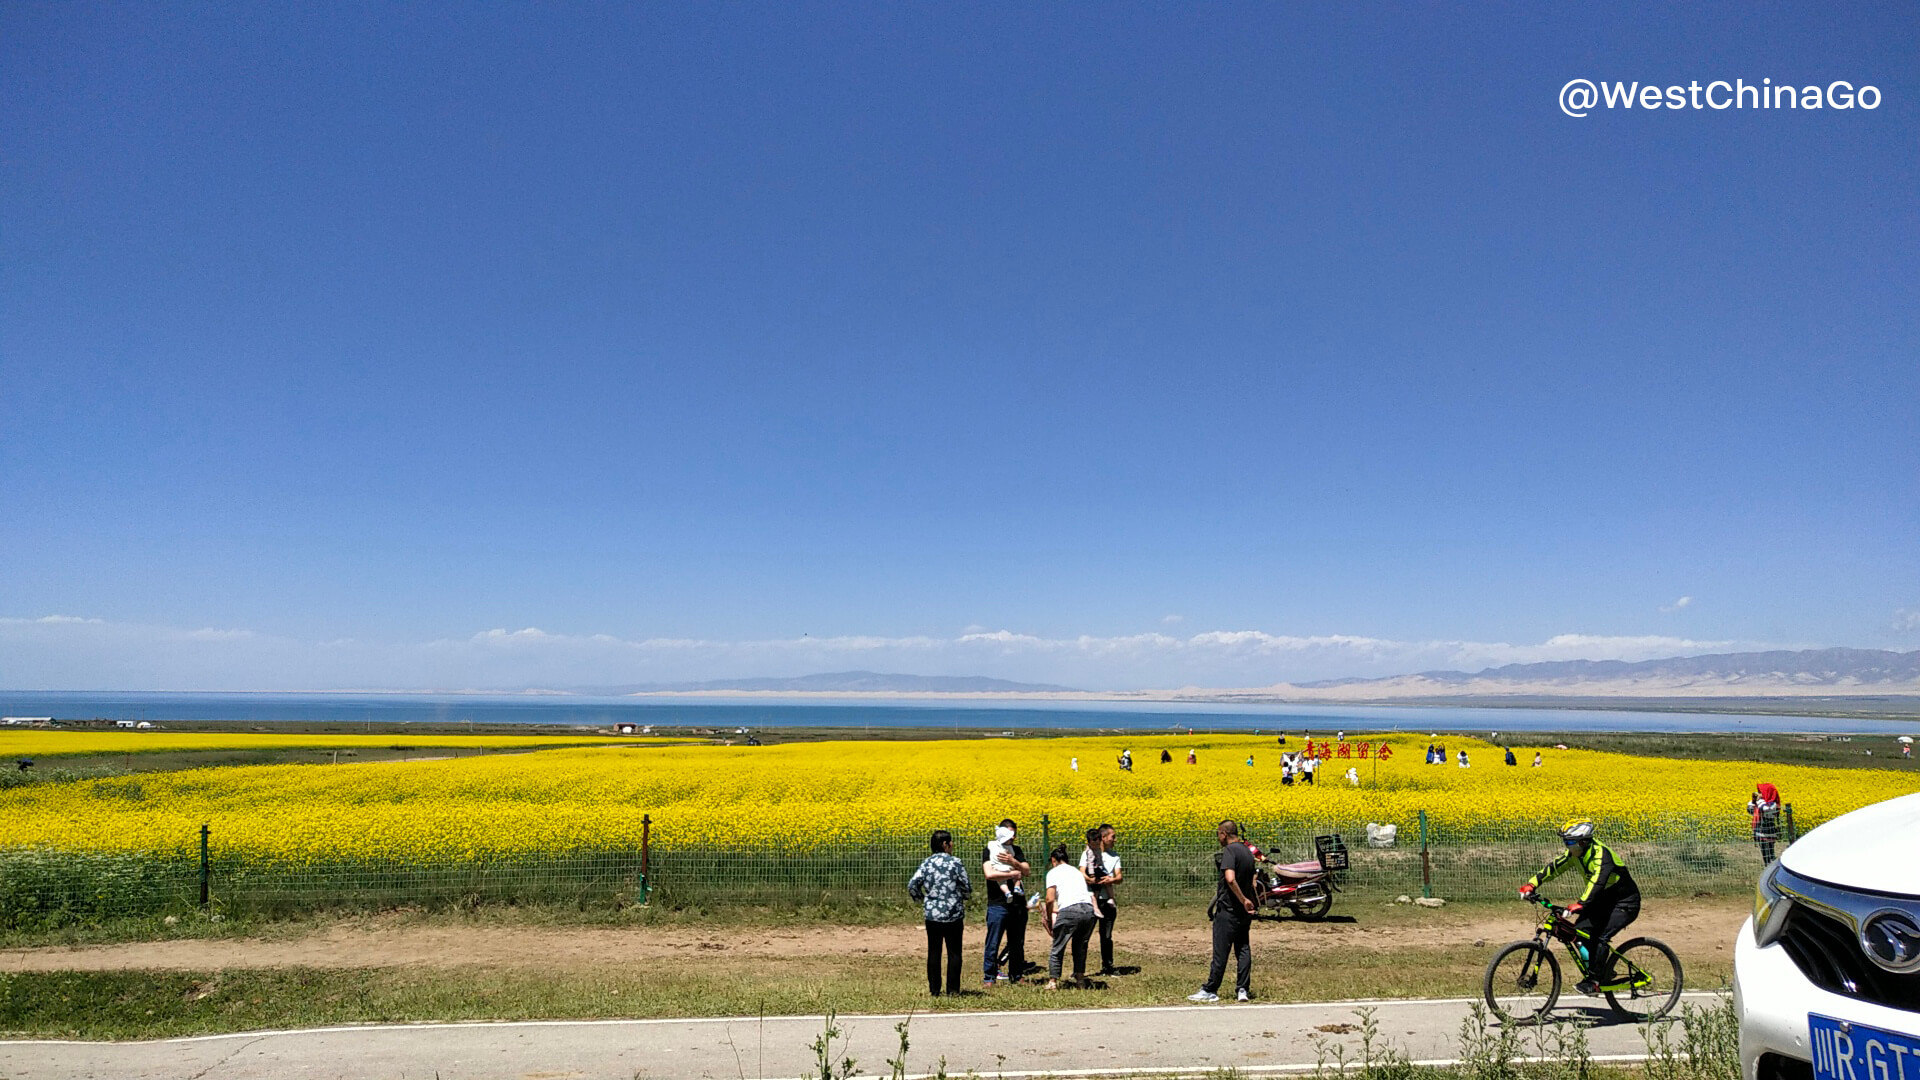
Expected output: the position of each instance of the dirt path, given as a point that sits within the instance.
(398, 942)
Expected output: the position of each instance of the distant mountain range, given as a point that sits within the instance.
(845, 682)
(1810, 672)
(1807, 673)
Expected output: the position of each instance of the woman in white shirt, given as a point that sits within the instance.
(1068, 915)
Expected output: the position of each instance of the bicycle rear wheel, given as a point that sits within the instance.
(1647, 980)
(1523, 982)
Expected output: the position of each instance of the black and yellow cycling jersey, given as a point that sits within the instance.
(1607, 876)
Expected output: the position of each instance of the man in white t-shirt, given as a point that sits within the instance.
(1103, 871)
(1068, 915)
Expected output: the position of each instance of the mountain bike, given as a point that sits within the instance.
(1523, 979)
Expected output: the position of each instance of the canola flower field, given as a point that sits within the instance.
(799, 797)
(814, 822)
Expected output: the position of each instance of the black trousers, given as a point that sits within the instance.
(1601, 921)
(1767, 844)
(944, 935)
(1231, 930)
(1108, 913)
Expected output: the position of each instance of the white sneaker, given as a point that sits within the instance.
(1203, 997)
(1242, 996)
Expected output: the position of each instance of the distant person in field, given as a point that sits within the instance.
(1005, 868)
(1511, 760)
(1463, 760)
(1166, 757)
(1286, 770)
(1536, 759)
(1074, 765)
(1192, 759)
(1307, 767)
(1126, 761)
(1763, 813)
(1068, 916)
(942, 887)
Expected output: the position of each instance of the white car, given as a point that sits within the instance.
(1826, 975)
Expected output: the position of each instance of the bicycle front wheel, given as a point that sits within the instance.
(1647, 980)
(1523, 982)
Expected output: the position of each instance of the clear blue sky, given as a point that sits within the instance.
(764, 339)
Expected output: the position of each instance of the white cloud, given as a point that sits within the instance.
(1683, 602)
(74, 653)
(1906, 620)
(1173, 620)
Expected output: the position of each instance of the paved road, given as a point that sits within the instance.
(1253, 1038)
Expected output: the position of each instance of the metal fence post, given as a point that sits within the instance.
(1793, 832)
(1046, 841)
(206, 878)
(646, 855)
(1426, 861)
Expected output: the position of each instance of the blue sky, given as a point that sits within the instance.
(448, 346)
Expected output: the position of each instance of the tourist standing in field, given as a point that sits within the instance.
(1166, 757)
(1005, 868)
(1068, 915)
(1232, 915)
(1763, 813)
(942, 887)
(1536, 759)
(1103, 873)
(1307, 765)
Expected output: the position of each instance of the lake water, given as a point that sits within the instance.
(855, 713)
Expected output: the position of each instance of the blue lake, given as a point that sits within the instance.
(1017, 716)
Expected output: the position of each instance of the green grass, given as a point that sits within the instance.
(1824, 751)
(151, 1004)
(141, 1004)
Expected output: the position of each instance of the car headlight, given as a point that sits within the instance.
(1770, 907)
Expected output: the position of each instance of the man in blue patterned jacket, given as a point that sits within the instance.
(942, 887)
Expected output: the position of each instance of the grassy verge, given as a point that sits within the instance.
(145, 1004)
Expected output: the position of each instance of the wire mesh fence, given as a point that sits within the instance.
(1674, 857)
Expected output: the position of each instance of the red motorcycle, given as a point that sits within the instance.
(1304, 888)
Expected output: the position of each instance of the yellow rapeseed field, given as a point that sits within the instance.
(802, 796)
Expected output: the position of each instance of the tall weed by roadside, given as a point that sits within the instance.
(1708, 1047)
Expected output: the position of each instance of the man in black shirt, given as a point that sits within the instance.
(1232, 914)
(1005, 867)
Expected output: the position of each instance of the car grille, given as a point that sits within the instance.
(1826, 952)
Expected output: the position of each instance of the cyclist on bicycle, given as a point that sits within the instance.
(1608, 903)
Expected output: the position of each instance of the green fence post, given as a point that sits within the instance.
(1426, 862)
(1793, 833)
(646, 855)
(206, 877)
(1046, 841)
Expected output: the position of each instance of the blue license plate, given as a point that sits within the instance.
(1843, 1051)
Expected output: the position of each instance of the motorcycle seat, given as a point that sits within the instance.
(1297, 870)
